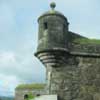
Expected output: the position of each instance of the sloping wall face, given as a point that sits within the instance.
(77, 79)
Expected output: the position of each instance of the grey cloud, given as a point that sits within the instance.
(26, 68)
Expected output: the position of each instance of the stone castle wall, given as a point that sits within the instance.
(78, 79)
(86, 49)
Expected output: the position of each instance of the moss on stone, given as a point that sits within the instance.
(52, 12)
(30, 86)
(31, 96)
(87, 41)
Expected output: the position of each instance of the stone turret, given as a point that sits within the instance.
(53, 33)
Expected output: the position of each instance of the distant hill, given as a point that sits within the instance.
(6, 98)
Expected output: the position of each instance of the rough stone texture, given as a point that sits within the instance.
(79, 79)
(87, 49)
(73, 70)
(90, 78)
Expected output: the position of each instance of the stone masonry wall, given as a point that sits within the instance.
(77, 79)
(91, 49)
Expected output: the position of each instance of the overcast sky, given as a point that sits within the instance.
(18, 36)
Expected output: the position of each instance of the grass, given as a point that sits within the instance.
(30, 86)
(30, 96)
(87, 41)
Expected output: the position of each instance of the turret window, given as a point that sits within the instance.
(45, 25)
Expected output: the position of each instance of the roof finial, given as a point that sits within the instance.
(53, 5)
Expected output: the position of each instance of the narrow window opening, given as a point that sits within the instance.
(45, 25)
